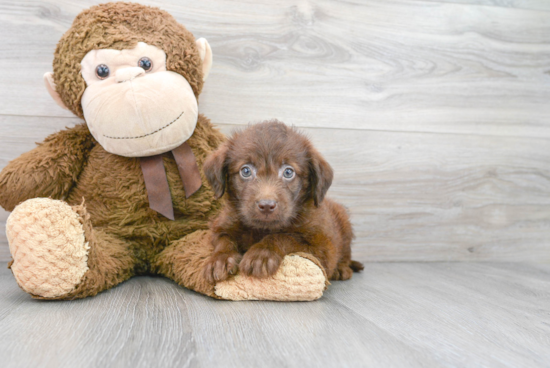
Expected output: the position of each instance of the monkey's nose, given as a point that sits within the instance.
(126, 74)
(267, 206)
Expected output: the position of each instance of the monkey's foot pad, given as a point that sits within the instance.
(48, 247)
(299, 278)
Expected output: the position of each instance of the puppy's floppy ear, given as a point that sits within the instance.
(320, 176)
(216, 170)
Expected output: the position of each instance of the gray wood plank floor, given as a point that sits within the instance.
(392, 315)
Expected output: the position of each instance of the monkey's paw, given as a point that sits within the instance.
(48, 247)
(300, 277)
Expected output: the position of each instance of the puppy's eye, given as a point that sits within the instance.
(288, 173)
(145, 63)
(102, 71)
(246, 171)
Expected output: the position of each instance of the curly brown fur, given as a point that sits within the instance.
(125, 236)
(275, 182)
(50, 170)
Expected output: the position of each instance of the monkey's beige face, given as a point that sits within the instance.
(134, 106)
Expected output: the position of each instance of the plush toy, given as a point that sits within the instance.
(123, 194)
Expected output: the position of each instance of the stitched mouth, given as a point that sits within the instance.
(148, 134)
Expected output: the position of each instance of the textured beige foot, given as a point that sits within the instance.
(299, 278)
(48, 247)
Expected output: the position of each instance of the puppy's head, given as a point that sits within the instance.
(269, 171)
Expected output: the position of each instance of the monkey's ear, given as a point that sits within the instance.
(216, 170)
(205, 53)
(320, 176)
(50, 86)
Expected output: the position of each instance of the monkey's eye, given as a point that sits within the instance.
(246, 171)
(288, 173)
(145, 63)
(102, 71)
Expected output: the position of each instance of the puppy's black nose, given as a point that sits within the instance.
(267, 205)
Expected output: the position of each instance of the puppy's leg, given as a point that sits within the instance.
(346, 267)
(264, 258)
(224, 261)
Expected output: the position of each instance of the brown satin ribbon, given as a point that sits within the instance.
(156, 183)
(188, 168)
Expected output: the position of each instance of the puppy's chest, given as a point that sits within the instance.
(247, 238)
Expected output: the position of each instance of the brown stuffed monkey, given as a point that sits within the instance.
(123, 194)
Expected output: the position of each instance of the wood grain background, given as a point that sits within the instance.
(434, 114)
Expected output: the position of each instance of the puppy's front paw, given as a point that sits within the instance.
(260, 262)
(220, 266)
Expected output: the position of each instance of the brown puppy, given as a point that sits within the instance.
(275, 182)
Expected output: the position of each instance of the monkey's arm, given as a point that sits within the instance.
(49, 170)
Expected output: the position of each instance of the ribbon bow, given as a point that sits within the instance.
(156, 183)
